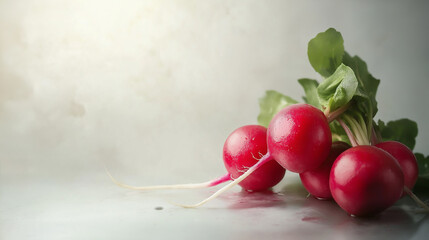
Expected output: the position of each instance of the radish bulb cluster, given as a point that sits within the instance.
(364, 179)
(313, 138)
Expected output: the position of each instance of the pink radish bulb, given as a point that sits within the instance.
(317, 181)
(243, 149)
(366, 180)
(405, 158)
(299, 138)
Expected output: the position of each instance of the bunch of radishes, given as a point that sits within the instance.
(314, 138)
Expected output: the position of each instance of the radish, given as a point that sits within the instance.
(299, 139)
(317, 181)
(408, 162)
(365, 180)
(400, 153)
(405, 158)
(240, 152)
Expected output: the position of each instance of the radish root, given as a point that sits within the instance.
(416, 199)
(261, 162)
(210, 183)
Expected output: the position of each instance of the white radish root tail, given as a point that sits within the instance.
(261, 162)
(210, 183)
(416, 199)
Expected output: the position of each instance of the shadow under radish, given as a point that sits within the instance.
(399, 221)
(265, 199)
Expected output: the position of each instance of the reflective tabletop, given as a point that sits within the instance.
(92, 207)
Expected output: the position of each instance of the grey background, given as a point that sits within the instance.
(153, 88)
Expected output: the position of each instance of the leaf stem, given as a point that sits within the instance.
(349, 133)
(327, 111)
(362, 125)
(370, 120)
(357, 130)
(331, 116)
(374, 138)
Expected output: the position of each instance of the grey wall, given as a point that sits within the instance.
(153, 88)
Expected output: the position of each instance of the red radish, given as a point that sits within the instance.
(317, 181)
(405, 158)
(365, 180)
(239, 153)
(408, 162)
(299, 138)
(242, 149)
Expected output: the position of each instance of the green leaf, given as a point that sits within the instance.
(423, 163)
(368, 85)
(422, 184)
(326, 51)
(338, 89)
(310, 89)
(402, 130)
(271, 104)
(338, 133)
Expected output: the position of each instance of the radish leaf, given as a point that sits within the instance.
(338, 89)
(338, 133)
(401, 130)
(422, 183)
(310, 89)
(271, 104)
(367, 83)
(326, 51)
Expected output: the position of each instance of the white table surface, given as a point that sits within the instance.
(92, 207)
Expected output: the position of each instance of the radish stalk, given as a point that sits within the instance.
(357, 129)
(348, 132)
(374, 138)
(331, 116)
